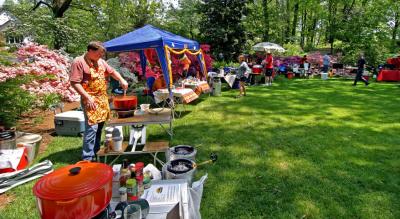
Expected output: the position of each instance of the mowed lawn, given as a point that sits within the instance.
(302, 148)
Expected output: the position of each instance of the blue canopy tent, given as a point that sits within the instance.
(162, 41)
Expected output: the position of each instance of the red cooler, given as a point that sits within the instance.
(257, 69)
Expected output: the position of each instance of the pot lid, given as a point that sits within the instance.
(73, 181)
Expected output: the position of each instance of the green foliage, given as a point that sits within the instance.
(6, 58)
(14, 101)
(49, 100)
(292, 49)
(222, 64)
(222, 26)
(184, 20)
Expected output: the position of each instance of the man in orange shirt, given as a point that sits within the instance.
(269, 68)
(88, 77)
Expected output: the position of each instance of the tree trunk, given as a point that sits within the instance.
(332, 23)
(287, 31)
(312, 32)
(303, 28)
(59, 8)
(295, 15)
(395, 28)
(266, 20)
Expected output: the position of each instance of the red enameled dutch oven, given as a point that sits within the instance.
(81, 190)
(125, 102)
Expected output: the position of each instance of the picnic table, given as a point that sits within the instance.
(198, 87)
(152, 148)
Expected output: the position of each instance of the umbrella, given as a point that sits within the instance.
(267, 46)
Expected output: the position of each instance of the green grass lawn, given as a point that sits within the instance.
(299, 149)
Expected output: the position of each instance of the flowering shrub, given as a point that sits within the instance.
(125, 72)
(38, 60)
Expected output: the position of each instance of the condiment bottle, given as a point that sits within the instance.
(147, 180)
(119, 209)
(125, 173)
(108, 142)
(131, 189)
(139, 177)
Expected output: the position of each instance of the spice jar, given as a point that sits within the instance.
(147, 180)
(131, 189)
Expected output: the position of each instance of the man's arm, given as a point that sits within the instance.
(116, 75)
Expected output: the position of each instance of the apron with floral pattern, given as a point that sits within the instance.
(96, 87)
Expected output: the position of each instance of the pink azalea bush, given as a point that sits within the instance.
(38, 60)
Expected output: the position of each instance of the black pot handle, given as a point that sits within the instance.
(75, 171)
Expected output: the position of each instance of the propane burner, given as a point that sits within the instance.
(179, 166)
(183, 150)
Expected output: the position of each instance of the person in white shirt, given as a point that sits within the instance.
(242, 74)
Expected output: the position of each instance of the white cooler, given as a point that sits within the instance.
(70, 123)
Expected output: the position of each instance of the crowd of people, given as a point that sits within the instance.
(271, 68)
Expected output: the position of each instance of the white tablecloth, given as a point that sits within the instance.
(186, 95)
(230, 79)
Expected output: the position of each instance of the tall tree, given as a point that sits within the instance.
(222, 26)
(266, 19)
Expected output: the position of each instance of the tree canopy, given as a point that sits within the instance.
(231, 27)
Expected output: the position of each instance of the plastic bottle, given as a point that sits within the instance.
(147, 180)
(119, 209)
(125, 173)
(108, 142)
(139, 177)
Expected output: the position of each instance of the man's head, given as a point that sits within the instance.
(95, 50)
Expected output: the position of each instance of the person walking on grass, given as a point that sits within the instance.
(360, 71)
(326, 62)
(269, 67)
(242, 74)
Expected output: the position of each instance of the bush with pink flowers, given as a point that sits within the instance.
(38, 60)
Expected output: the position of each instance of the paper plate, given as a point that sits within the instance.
(155, 110)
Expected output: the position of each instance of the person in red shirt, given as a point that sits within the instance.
(269, 67)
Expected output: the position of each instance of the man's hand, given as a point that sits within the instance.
(123, 84)
(90, 103)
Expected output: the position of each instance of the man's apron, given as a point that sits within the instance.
(96, 87)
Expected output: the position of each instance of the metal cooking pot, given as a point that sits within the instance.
(182, 151)
(180, 169)
(184, 168)
(7, 140)
(125, 103)
(82, 190)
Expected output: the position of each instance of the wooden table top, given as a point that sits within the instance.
(147, 118)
